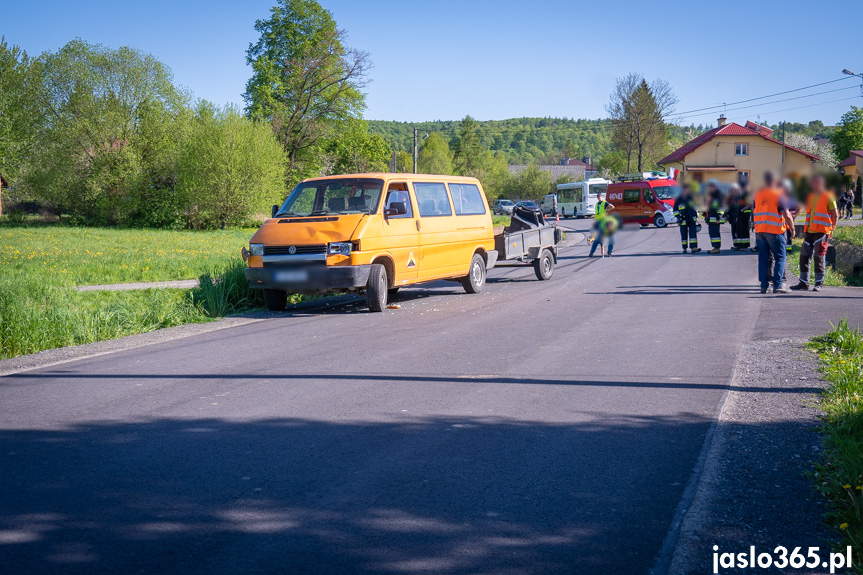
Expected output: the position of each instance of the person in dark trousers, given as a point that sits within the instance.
(732, 212)
(687, 219)
(772, 218)
(744, 216)
(602, 209)
(841, 199)
(822, 214)
(715, 215)
(849, 203)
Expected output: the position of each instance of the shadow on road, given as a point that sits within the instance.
(439, 495)
(28, 378)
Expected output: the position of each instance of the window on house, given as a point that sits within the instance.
(741, 149)
(743, 177)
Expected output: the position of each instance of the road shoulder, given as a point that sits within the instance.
(754, 489)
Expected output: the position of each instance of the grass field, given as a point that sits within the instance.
(40, 265)
(840, 476)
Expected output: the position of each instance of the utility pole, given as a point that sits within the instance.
(416, 152)
(783, 145)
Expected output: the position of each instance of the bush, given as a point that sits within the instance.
(226, 292)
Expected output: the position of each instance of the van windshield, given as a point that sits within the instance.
(666, 192)
(342, 196)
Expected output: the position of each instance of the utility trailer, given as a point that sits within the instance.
(535, 247)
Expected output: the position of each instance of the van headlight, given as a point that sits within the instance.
(339, 249)
(256, 249)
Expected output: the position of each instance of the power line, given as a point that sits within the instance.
(777, 101)
(764, 97)
(807, 106)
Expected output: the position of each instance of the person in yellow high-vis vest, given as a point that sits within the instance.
(771, 217)
(822, 213)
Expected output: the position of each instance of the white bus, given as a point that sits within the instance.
(577, 199)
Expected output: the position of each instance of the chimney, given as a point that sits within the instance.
(721, 121)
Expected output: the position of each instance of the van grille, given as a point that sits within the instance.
(285, 250)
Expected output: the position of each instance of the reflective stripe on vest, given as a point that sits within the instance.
(766, 213)
(817, 219)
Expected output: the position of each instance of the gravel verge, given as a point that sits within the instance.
(754, 489)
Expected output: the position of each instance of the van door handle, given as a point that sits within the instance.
(418, 224)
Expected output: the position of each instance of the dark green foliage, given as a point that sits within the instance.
(525, 140)
(849, 134)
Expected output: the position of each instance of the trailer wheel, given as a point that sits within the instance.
(275, 299)
(376, 288)
(543, 266)
(475, 279)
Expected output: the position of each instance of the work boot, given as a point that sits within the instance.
(782, 289)
(817, 287)
(696, 250)
(802, 286)
(714, 251)
(763, 290)
(684, 250)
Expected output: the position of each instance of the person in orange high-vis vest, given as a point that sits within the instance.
(822, 213)
(771, 217)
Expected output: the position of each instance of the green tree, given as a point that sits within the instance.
(230, 168)
(638, 112)
(404, 162)
(303, 79)
(469, 155)
(531, 183)
(435, 156)
(355, 150)
(17, 123)
(849, 135)
(97, 107)
(612, 164)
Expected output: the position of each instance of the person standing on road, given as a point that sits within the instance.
(732, 213)
(687, 219)
(599, 230)
(822, 214)
(849, 202)
(744, 216)
(772, 218)
(715, 215)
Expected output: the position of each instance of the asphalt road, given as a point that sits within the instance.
(539, 427)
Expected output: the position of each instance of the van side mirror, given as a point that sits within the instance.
(274, 211)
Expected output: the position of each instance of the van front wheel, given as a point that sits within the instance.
(475, 279)
(376, 288)
(275, 299)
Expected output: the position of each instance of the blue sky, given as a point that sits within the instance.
(443, 59)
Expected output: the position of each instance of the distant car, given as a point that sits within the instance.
(503, 207)
(527, 204)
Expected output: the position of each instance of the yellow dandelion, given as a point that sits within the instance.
(846, 486)
(843, 527)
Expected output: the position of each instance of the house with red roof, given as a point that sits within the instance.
(852, 166)
(730, 151)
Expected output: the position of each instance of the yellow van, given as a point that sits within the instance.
(372, 234)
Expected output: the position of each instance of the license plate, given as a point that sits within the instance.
(292, 276)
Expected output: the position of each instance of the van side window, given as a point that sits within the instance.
(432, 199)
(399, 201)
(466, 199)
(631, 196)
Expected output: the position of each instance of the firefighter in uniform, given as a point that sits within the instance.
(744, 218)
(822, 213)
(715, 215)
(687, 220)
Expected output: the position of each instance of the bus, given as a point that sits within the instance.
(577, 199)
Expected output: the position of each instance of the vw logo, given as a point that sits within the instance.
(292, 250)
